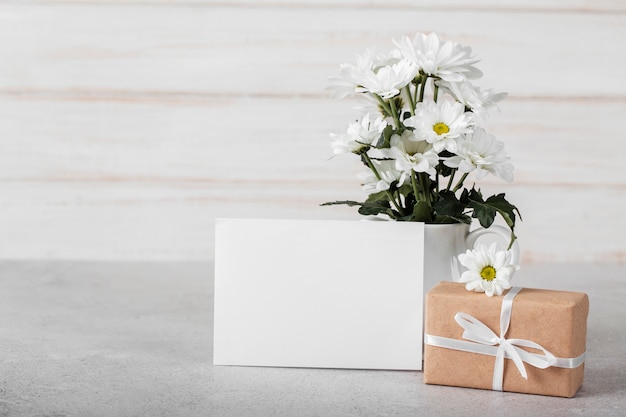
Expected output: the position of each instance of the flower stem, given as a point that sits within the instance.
(423, 89)
(425, 183)
(451, 180)
(394, 111)
(378, 177)
(418, 195)
(435, 92)
(460, 183)
(421, 180)
(411, 100)
(383, 104)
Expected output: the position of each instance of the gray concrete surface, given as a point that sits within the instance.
(135, 339)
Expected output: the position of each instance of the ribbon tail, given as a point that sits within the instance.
(534, 359)
(498, 370)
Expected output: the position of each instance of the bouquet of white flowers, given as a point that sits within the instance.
(423, 139)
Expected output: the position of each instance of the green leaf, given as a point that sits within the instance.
(344, 202)
(443, 169)
(368, 208)
(384, 141)
(506, 209)
(485, 211)
(472, 194)
(376, 207)
(464, 199)
(448, 204)
(422, 212)
(449, 209)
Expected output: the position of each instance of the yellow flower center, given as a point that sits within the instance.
(488, 273)
(441, 128)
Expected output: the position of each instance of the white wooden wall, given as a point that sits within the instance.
(127, 127)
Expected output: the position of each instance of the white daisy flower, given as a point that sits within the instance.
(389, 80)
(481, 152)
(440, 123)
(346, 83)
(384, 76)
(411, 154)
(388, 174)
(489, 270)
(479, 102)
(360, 135)
(448, 60)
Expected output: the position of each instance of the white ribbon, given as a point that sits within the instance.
(484, 341)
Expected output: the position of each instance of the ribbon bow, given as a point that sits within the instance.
(476, 331)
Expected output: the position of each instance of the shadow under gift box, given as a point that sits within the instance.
(556, 320)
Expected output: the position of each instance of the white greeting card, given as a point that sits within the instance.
(316, 293)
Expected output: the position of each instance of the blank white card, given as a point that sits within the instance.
(316, 293)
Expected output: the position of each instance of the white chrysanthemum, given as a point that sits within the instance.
(388, 174)
(448, 60)
(411, 154)
(360, 135)
(481, 152)
(479, 102)
(489, 270)
(389, 80)
(384, 76)
(347, 81)
(440, 123)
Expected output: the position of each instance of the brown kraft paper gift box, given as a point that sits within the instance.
(556, 320)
